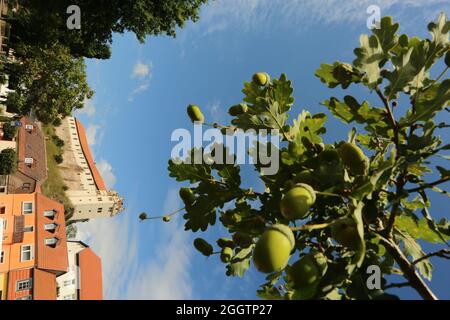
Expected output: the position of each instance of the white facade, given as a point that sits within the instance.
(85, 196)
(69, 283)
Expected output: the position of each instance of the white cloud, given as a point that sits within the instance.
(91, 134)
(89, 109)
(140, 70)
(106, 171)
(250, 14)
(215, 110)
(166, 273)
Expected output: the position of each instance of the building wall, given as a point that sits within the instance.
(3, 286)
(12, 206)
(16, 276)
(75, 168)
(69, 282)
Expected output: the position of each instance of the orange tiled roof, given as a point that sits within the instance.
(90, 160)
(49, 258)
(90, 275)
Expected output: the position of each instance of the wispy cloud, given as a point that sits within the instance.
(143, 73)
(140, 70)
(164, 275)
(106, 171)
(92, 134)
(249, 14)
(215, 111)
(89, 109)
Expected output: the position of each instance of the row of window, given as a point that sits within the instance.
(27, 208)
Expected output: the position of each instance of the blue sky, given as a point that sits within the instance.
(141, 95)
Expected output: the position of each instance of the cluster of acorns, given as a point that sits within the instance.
(273, 249)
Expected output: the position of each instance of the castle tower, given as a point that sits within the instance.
(86, 189)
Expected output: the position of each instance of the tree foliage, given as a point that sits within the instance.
(42, 22)
(368, 212)
(48, 81)
(8, 161)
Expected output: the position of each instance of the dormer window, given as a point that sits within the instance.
(50, 227)
(29, 127)
(51, 242)
(29, 161)
(50, 213)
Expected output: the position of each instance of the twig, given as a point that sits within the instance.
(397, 285)
(408, 269)
(444, 253)
(390, 115)
(429, 185)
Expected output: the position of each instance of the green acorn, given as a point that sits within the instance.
(297, 202)
(345, 232)
(195, 114)
(203, 247)
(238, 109)
(353, 158)
(226, 254)
(308, 270)
(166, 218)
(261, 78)
(272, 251)
(187, 195)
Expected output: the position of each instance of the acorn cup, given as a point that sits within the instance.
(297, 202)
(238, 109)
(272, 251)
(195, 114)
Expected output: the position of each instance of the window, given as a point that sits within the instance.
(99, 199)
(26, 253)
(68, 283)
(2, 257)
(51, 241)
(27, 207)
(24, 285)
(99, 210)
(68, 297)
(5, 223)
(49, 213)
(28, 297)
(2, 189)
(2, 209)
(50, 226)
(28, 229)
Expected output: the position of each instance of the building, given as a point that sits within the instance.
(83, 281)
(32, 163)
(33, 248)
(87, 191)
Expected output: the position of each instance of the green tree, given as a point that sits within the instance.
(8, 161)
(9, 131)
(42, 22)
(48, 81)
(336, 209)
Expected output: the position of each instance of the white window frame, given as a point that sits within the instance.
(27, 211)
(49, 213)
(28, 285)
(31, 249)
(50, 226)
(2, 257)
(51, 241)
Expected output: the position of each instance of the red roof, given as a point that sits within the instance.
(90, 275)
(90, 160)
